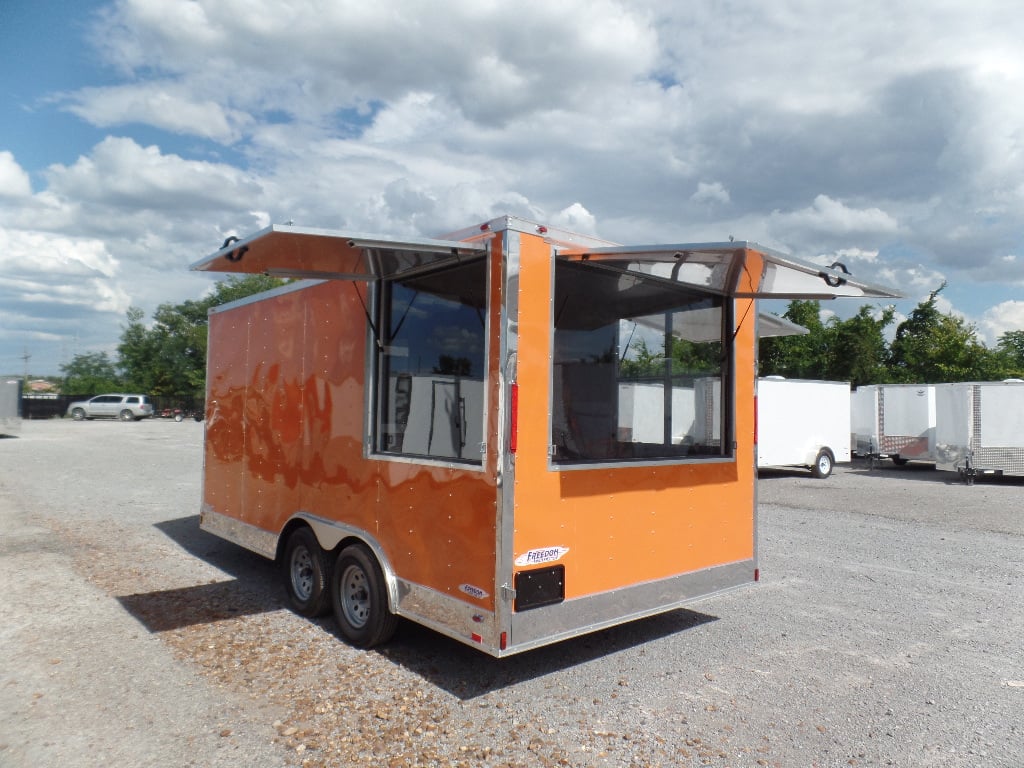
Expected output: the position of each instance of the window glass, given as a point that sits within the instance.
(637, 369)
(431, 362)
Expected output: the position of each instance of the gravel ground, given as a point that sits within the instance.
(886, 631)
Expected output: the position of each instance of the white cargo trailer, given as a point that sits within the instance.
(980, 429)
(802, 423)
(10, 406)
(895, 421)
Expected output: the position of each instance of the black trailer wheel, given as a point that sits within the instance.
(823, 463)
(360, 599)
(899, 461)
(306, 569)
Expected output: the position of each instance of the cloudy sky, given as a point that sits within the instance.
(135, 135)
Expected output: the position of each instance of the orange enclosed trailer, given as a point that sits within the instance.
(512, 435)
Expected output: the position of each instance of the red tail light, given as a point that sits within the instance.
(513, 437)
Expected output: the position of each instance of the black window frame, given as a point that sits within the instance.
(383, 438)
(664, 296)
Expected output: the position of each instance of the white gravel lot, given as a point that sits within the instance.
(887, 630)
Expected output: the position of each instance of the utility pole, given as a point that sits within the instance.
(26, 356)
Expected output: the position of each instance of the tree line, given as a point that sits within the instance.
(929, 347)
(168, 358)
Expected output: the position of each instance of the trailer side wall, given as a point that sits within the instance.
(285, 436)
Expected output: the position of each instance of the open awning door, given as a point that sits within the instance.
(296, 252)
(772, 326)
(726, 269)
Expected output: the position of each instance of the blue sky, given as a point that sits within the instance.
(136, 135)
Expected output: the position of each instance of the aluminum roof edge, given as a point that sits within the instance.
(835, 277)
(354, 239)
(556, 235)
(773, 326)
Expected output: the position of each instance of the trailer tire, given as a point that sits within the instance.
(899, 461)
(360, 600)
(307, 574)
(823, 463)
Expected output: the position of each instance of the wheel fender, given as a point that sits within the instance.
(812, 454)
(331, 533)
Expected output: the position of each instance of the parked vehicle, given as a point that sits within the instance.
(803, 423)
(112, 406)
(441, 430)
(178, 414)
(895, 421)
(980, 428)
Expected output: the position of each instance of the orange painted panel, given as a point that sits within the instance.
(288, 434)
(628, 524)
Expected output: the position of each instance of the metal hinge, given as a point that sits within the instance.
(507, 592)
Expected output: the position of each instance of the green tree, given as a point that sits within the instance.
(931, 347)
(136, 353)
(857, 350)
(688, 358)
(90, 374)
(1010, 353)
(797, 357)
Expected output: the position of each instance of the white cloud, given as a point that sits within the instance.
(160, 104)
(575, 218)
(310, 58)
(1002, 318)
(121, 173)
(833, 216)
(713, 192)
(14, 182)
(49, 254)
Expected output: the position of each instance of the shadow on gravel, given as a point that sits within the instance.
(459, 669)
(252, 591)
(466, 673)
(202, 604)
(916, 471)
(921, 471)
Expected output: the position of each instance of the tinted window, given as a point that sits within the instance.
(431, 362)
(637, 370)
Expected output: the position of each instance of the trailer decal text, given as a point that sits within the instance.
(545, 555)
(473, 591)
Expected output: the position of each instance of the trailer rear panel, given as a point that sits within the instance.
(895, 421)
(980, 428)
